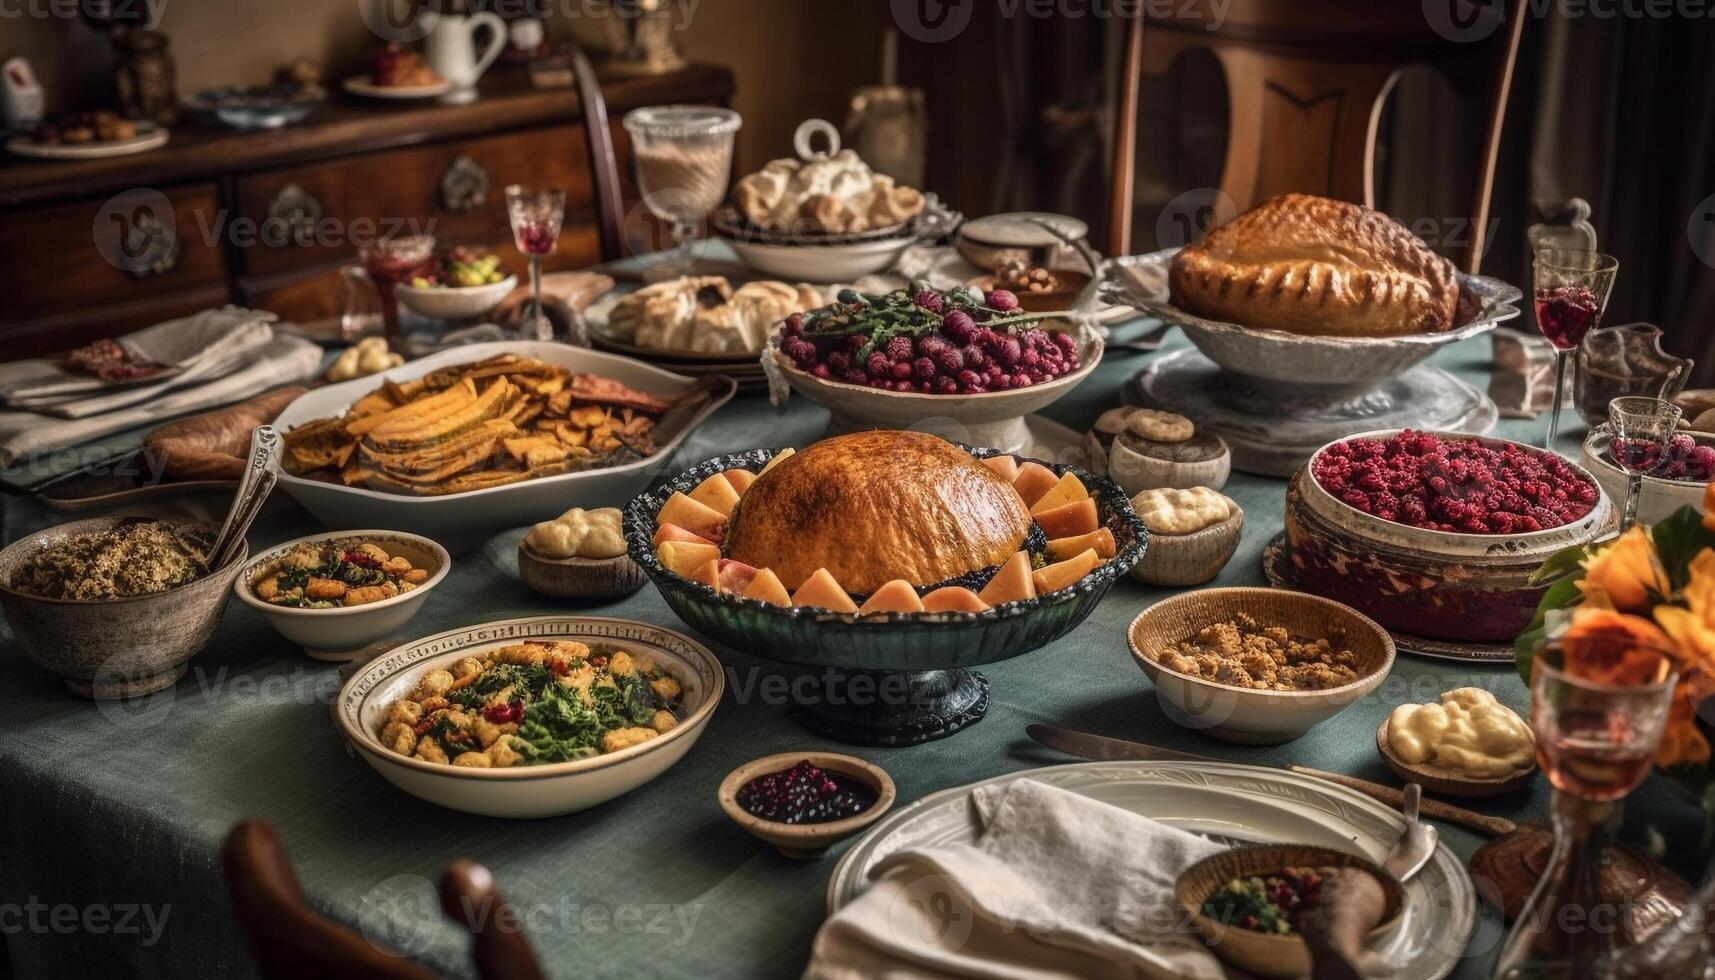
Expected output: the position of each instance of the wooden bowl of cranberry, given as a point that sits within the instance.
(805, 802)
(1437, 534)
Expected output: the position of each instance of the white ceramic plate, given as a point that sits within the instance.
(460, 521)
(822, 263)
(528, 791)
(149, 136)
(1219, 800)
(455, 302)
(361, 85)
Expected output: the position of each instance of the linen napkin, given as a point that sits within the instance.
(283, 360)
(190, 349)
(1057, 885)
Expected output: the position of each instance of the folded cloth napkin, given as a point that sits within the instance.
(1057, 885)
(190, 349)
(283, 360)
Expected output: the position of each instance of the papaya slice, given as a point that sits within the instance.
(1059, 575)
(1067, 520)
(709, 573)
(1006, 466)
(821, 591)
(735, 576)
(686, 557)
(716, 494)
(1033, 481)
(673, 532)
(1011, 583)
(894, 596)
(740, 480)
(1101, 539)
(696, 517)
(766, 586)
(779, 457)
(1069, 490)
(953, 598)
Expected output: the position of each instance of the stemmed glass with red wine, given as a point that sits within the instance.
(1571, 290)
(536, 215)
(1642, 428)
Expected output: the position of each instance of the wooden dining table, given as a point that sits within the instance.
(111, 815)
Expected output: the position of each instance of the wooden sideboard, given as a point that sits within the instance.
(267, 218)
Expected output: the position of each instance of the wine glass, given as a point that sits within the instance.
(1571, 290)
(683, 155)
(391, 261)
(536, 214)
(1641, 429)
(1594, 740)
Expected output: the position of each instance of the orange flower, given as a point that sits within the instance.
(1614, 647)
(1709, 506)
(1692, 629)
(1681, 741)
(1626, 572)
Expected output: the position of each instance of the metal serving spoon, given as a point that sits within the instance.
(253, 489)
(1416, 844)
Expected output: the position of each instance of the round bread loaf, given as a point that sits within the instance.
(871, 507)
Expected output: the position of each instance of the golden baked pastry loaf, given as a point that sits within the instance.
(1311, 265)
(875, 506)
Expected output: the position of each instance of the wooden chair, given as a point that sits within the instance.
(1306, 82)
(290, 940)
(604, 164)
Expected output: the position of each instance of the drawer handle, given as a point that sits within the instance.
(464, 186)
(296, 212)
(153, 248)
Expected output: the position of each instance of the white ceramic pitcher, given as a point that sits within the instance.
(452, 53)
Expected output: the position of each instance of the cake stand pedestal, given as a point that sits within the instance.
(890, 708)
(1272, 427)
(1030, 436)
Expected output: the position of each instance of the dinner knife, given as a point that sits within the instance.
(1101, 748)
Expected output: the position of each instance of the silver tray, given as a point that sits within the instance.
(1140, 281)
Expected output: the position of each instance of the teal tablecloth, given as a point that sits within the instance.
(110, 819)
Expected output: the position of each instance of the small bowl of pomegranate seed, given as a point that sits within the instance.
(806, 802)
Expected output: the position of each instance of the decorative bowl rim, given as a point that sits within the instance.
(873, 775)
(1599, 508)
(24, 543)
(369, 743)
(1369, 679)
(1595, 462)
(245, 589)
(640, 523)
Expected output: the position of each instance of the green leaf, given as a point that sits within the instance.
(1563, 594)
(1562, 563)
(1678, 539)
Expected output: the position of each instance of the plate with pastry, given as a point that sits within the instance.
(88, 136)
(699, 318)
(891, 553)
(1312, 291)
(826, 216)
(398, 73)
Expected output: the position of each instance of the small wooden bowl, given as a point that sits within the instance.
(579, 578)
(1135, 468)
(1262, 953)
(1190, 559)
(807, 840)
(1445, 780)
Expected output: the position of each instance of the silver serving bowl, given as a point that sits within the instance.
(1140, 281)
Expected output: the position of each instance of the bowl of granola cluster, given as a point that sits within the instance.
(1257, 666)
(1437, 534)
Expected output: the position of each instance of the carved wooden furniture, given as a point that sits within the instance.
(97, 248)
(1306, 82)
(290, 940)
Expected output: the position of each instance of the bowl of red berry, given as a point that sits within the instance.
(899, 359)
(806, 802)
(1437, 534)
(1678, 481)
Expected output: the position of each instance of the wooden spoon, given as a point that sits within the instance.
(1446, 780)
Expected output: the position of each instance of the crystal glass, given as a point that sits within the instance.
(683, 155)
(391, 261)
(536, 214)
(1594, 741)
(1641, 428)
(1571, 290)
